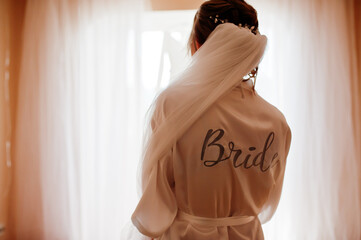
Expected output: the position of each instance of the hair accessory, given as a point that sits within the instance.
(217, 19)
(250, 28)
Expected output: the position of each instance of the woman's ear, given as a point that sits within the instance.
(198, 45)
(195, 47)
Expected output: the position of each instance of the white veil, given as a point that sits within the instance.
(229, 53)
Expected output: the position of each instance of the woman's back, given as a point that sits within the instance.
(227, 164)
(213, 166)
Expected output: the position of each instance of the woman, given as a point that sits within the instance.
(215, 159)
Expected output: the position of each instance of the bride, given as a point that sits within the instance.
(182, 197)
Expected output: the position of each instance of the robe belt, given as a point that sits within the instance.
(215, 222)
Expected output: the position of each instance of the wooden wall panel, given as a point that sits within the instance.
(357, 15)
(4, 116)
(357, 108)
(11, 25)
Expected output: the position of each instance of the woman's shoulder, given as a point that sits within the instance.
(274, 112)
(168, 100)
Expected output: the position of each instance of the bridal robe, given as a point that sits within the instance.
(223, 178)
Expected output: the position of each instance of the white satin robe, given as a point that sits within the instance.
(223, 177)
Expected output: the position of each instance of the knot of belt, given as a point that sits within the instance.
(225, 221)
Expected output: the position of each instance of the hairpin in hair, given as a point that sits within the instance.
(250, 28)
(217, 19)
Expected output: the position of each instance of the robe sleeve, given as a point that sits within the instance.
(157, 207)
(271, 204)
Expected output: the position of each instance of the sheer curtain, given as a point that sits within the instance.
(308, 72)
(88, 72)
(84, 86)
(79, 118)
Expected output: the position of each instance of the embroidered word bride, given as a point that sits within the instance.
(238, 160)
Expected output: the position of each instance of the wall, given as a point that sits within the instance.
(357, 93)
(11, 22)
(174, 4)
(4, 119)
